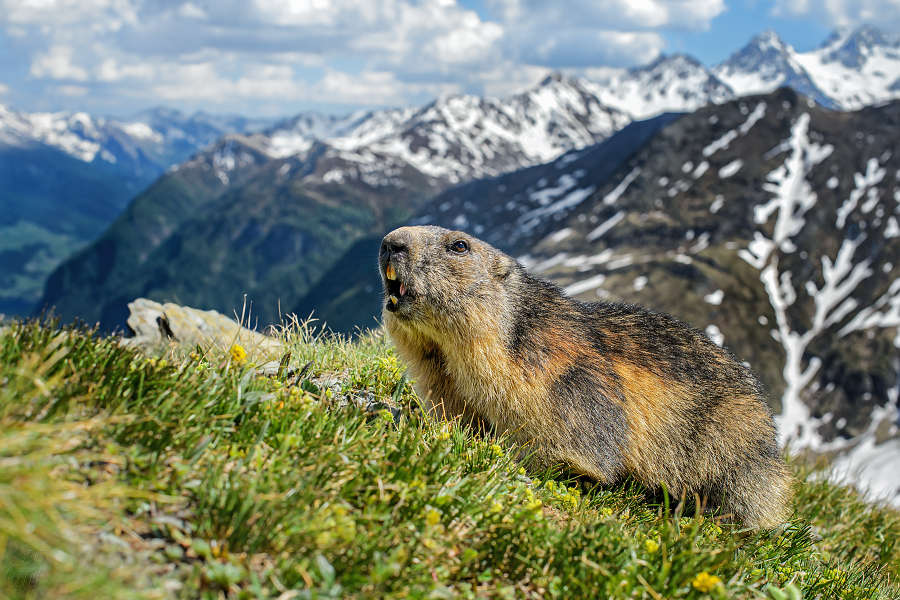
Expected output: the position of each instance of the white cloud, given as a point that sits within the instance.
(191, 11)
(57, 64)
(378, 87)
(73, 91)
(589, 48)
(270, 81)
(592, 33)
(470, 42)
(4, 89)
(611, 15)
(328, 13)
(202, 81)
(110, 70)
(842, 13)
(110, 14)
(374, 87)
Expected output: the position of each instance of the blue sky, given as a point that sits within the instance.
(280, 57)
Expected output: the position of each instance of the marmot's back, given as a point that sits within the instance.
(608, 389)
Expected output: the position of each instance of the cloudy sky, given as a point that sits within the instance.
(279, 57)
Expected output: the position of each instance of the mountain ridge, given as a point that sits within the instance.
(849, 70)
(79, 132)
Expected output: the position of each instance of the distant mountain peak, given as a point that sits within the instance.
(852, 68)
(671, 83)
(766, 53)
(863, 36)
(160, 112)
(454, 98)
(766, 63)
(768, 39)
(677, 61)
(554, 77)
(853, 48)
(678, 58)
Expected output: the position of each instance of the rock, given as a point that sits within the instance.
(153, 324)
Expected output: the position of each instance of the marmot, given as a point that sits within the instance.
(607, 389)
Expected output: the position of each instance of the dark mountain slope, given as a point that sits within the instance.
(91, 284)
(65, 177)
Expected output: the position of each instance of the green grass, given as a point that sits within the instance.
(186, 476)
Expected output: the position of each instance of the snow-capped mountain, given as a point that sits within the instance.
(76, 134)
(456, 138)
(852, 68)
(675, 83)
(765, 64)
(461, 137)
(160, 136)
(856, 68)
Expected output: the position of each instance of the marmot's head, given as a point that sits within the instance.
(437, 278)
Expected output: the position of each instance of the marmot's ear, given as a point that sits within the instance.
(503, 266)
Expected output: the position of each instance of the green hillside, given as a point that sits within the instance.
(189, 476)
(53, 205)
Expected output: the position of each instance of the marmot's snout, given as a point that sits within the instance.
(394, 261)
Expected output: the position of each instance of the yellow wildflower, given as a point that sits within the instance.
(433, 517)
(652, 546)
(705, 582)
(238, 354)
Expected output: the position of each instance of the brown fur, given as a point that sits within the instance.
(610, 390)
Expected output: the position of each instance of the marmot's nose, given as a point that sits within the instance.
(395, 242)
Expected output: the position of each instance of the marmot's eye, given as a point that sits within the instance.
(460, 246)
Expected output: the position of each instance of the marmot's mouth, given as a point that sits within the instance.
(395, 288)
